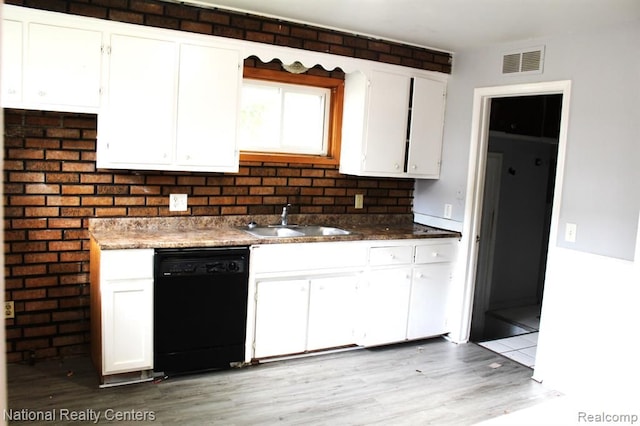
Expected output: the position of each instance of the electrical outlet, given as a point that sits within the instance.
(359, 203)
(570, 232)
(447, 211)
(9, 311)
(177, 202)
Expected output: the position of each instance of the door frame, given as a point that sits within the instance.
(476, 179)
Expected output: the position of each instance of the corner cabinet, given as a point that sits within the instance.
(170, 103)
(122, 314)
(50, 61)
(407, 292)
(392, 124)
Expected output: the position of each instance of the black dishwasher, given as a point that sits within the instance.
(200, 308)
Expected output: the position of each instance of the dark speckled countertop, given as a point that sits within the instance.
(212, 231)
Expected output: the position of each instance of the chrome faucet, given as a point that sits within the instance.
(284, 217)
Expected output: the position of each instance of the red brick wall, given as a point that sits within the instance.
(51, 188)
(229, 24)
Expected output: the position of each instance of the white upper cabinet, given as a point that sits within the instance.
(11, 61)
(63, 66)
(392, 124)
(427, 119)
(208, 102)
(136, 126)
(52, 61)
(170, 103)
(386, 132)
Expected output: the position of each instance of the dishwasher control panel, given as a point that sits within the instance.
(175, 263)
(200, 267)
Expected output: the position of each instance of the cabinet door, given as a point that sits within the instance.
(208, 90)
(332, 312)
(429, 301)
(11, 62)
(62, 67)
(127, 325)
(281, 317)
(136, 128)
(385, 305)
(387, 123)
(427, 119)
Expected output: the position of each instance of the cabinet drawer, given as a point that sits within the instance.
(435, 253)
(126, 264)
(390, 255)
(271, 258)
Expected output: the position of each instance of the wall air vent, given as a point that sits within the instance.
(523, 61)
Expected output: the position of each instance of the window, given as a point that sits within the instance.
(290, 117)
(279, 117)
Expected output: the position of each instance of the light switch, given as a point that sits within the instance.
(177, 202)
(570, 232)
(448, 208)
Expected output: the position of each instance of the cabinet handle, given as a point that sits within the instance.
(435, 254)
(414, 167)
(42, 93)
(420, 275)
(396, 166)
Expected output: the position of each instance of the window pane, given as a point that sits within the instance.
(303, 122)
(260, 118)
(285, 118)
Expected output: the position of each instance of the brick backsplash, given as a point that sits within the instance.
(230, 24)
(52, 188)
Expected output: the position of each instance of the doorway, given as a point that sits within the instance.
(516, 216)
(515, 163)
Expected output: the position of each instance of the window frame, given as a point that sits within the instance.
(335, 85)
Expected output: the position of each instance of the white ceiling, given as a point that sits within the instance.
(450, 25)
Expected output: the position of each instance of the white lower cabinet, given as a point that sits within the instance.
(122, 314)
(301, 315)
(316, 296)
(281, 317)
(384, 306)
(305, 296)
(331, 312)
(127, 317)
(429, 302)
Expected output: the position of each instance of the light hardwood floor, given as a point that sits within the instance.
(419, 383)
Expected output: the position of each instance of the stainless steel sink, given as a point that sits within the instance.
(294, 231)
(317, 231)
(273, 232)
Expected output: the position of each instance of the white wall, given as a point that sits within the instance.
(600, 191)
(589, 319)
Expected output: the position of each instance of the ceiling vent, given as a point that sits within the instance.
(527, 61)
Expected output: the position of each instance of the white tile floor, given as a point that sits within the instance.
(521, 348)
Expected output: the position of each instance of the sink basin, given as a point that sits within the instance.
(294, 231)
(273, 232)
(317, 231)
